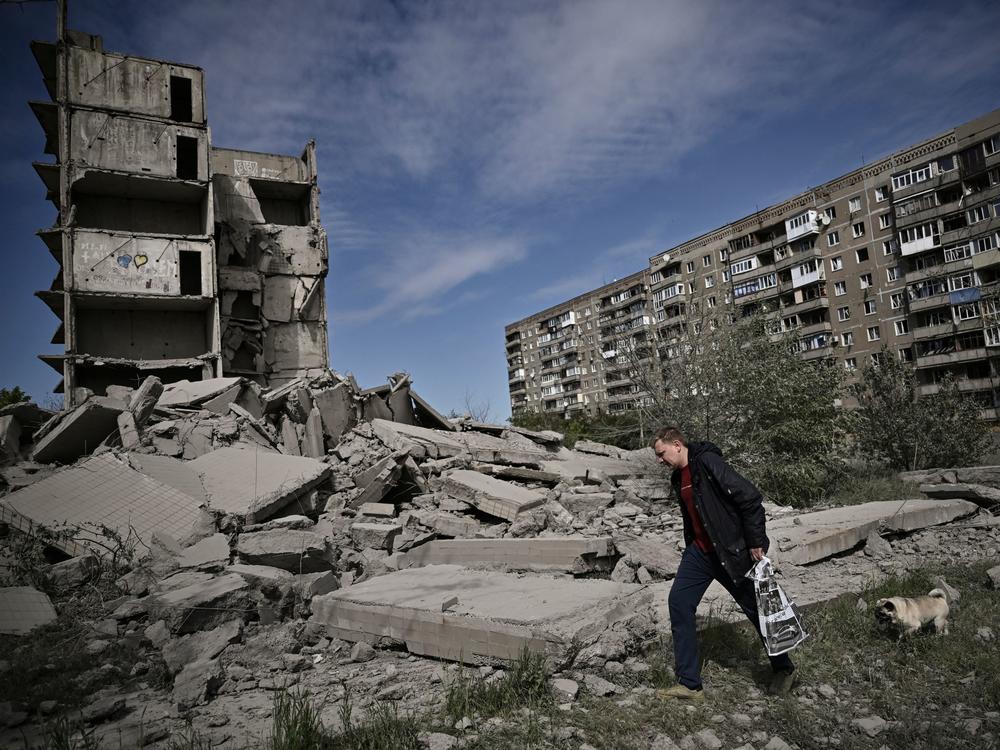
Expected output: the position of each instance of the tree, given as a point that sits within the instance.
(13, 395)
(942, 429)
(739, 385)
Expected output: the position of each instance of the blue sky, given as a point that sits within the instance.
(480, 161)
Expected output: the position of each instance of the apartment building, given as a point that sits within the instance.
(176, 259)
(902, 253)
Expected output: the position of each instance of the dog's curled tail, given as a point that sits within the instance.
(940, 594)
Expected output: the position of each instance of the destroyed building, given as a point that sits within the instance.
(176, 258)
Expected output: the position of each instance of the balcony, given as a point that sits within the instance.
(920, 246)
(952, 357)
(932, 332)
(816, 303)
(516, 375)
(937, 181)
(926, 214)
(802, 278)
(818, 353)
(987, 259)
(806, 223)
(929, 302)
(965, 386)
(947, 267)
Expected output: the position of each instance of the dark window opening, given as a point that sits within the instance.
(181, 102)
(187, 158)
(190, 270)
(243, 307)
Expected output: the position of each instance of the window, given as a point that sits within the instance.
(896, 300)
(962, 281)
(885, 221)
(850, 364)
(690, 266)
(858, 230)
(888, 247)
(870, 308)
(843, 313)
(709, 282)
(725, 275)
(723, 254)
(862, 253)
(989, 242)
(743, 266)
(833, 239)
(902, 327)
(892, 274)
(692, 287)
(181, 101)
(906, 355)
(654, 278)
(874, 334)
(996, 208)
(911, 176)
(706, 261)
(919, 232)
(978, 214)
(991, 145)
(190, 272)
(967, 312)
(881, 193)
(836, 263)
(866, 280)
(710, 302)
(187, 158)
(847, 338)
(840, 288)
(830, 212)
(854, 204)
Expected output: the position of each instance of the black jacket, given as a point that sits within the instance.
(729, 505)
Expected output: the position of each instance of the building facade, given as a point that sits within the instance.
(176, 259)
(902, 253)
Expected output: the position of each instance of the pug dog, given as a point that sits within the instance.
(909, 615)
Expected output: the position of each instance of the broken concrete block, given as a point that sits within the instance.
(79, 432)
(565, 689)
(570, 554)
(876, 546)
(657, 553)
(295, 551)
(170, 471)
(254, 483)
(449, 524)
(201, 646)
(290, 437)
(202, 605)
(104, 490)
(196, 683)
(417, 441)
(313, 443)
(494, 496)
(143, 399)
(377, 481)
(187, 393)
(309, 585)
(497, 616)
(10, 438)
(128, 433)
(336, 408)
(994, 576)
(599, 449)
(375, 535)
(977, 493)
(385, 510)
(23, 608)
(211, 553)
(76, 571)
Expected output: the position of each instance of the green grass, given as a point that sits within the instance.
(525, 685)
(869, 485)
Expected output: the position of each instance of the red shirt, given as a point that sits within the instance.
(701, 538)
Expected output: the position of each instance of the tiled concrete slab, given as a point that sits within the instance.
(171, 471)
(490, 495)
(80, 431)
(418, 441)
(572, 554)
(812, 536)
(496, 616)
(23, 608)
(253, 483)
(104, 490)
(188, 393)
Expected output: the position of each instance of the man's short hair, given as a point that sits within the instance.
(669, 435)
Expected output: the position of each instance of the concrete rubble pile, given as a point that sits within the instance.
(363, 516)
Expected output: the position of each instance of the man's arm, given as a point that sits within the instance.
(745, 497)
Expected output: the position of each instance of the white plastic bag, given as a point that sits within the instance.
(780, 622)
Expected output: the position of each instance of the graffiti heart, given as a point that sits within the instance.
(124, 260)
(140, 260)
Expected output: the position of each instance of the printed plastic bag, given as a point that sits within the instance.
(780, 621)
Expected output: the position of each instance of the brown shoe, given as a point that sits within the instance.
(681, 693)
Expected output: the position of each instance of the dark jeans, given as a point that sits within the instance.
(694, 574)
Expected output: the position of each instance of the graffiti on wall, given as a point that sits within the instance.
(115, 263)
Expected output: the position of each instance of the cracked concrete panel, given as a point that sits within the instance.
(23, 608)
(80, 431)
(297, 250)
(170, 471)
(295, 346)
(235, 202)
(105, 491)
(279, 298)
(188, 393)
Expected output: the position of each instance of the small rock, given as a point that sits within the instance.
(565, 689)
(827, 691)
(994, 576)
(600, 686)
(984, 634)
(102, 709)
(741, 720)
(643, 575)
(614, 667)
(876, 546)
(47, 707)
(776, 743)
(623, 572)
(361, 652)
(464, 723)
(296, 662)
(663, 742)
(862, 605)
(438, 741)
(707, 739)
(873, 726)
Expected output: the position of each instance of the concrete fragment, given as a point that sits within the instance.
(375, 535)
(143, 399)
(73, 572)
(211, 553)
(449, 524)
(290, 437)
(313, 443)
(103, 490)
(201, 646)
(566, 689)
(385, 510)
(600, 686)
(316, 584)
(255, 483)
(128, 432)
(876, 546)
(294, 551)
(202, 605)
(188, 393)
(656, 553)
(23, 608)
(497, 616)
(10, 438)
(494, 496)
(101, 709)
(569, 554)
(196, 683)
(417, 441)
(600, 449)
(79, 431)
(977, 493)
(377, 481)
(994, 576)
(336, 408)
(812, 536)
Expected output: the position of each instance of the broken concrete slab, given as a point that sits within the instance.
(336, 408)
(599, 449)
(207, 644)
(417, 441)
(10, 438)
(812, 536)
(383, 510)
(211, 553)
(375, 535)
(655, 552)
(79, 431)
(295, 551)
(377, 480)
(170, 471)
(542, 437)
(23, 608)
(256, 483)
(980, 494)
(572, 554)
(202, 605)
(497, 615)
(103, 490)
(185, 393)
(449, 524)
(490, 495)
(196, 683)
(519, 473)
(144, 399)
(312, 445)
(490, 449)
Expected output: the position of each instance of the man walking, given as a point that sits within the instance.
(725, 537)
